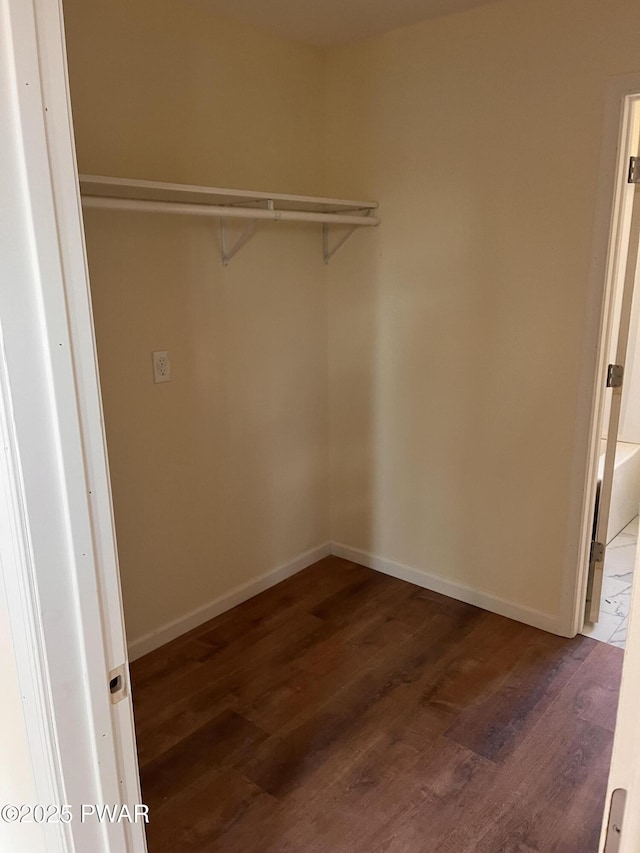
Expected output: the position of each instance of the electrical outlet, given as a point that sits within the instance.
(161, 366)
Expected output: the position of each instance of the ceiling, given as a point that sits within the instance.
(326, 22)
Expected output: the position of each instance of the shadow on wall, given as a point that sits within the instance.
(220, 475)
(442, 438)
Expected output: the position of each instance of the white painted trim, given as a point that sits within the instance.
(453, 589)
(461, 592)
(178, 627)
(51, 387)
(131, 188)
(625, 760)
(80, 318)
(590, 398)
(17, 574)
(124, 785)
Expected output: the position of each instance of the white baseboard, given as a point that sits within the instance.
(143, 645)
(436, 583)
(511, 609)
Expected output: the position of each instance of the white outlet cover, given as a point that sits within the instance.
(161, 366)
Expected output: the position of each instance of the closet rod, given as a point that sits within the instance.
(225, 212)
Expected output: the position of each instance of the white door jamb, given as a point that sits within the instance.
(613, 199)
(64, 588)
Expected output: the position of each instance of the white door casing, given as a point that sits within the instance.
(625, 762)
(630, 253)
(610, 241)
(67, 584)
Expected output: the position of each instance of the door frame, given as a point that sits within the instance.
(625, 760)
(58, 557)
(612, 196)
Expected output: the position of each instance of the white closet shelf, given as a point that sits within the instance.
(160, 197)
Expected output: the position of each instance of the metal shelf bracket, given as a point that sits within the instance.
(99, 191)
(327, 252)
(228, 252)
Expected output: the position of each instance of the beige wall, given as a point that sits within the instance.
(456, 328)
(164, 90)
(220, 475)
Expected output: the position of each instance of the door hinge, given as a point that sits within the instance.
(614, 825)
(634, 170)
(596, 554)
(615, 372)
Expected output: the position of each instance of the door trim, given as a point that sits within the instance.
(625, 759)
(612, 187)
(58, 457)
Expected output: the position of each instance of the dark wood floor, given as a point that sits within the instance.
(344, 711)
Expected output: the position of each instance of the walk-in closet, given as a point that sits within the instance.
(339, 261)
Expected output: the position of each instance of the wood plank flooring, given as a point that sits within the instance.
(344, 711)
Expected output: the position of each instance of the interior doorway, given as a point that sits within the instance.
(616, 429)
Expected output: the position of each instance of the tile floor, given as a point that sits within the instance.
(616, 589)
